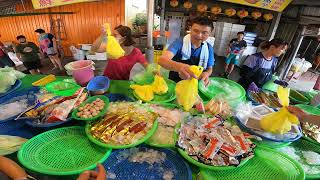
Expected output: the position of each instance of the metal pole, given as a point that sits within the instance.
(24, 7)
(274, 26)
(304, 53)
(294, 52)
(162, 26)
(150, 13)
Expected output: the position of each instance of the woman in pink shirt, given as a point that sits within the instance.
(119, 69)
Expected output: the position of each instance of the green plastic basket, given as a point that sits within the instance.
(199, 164)
(266, 164)
(212, 91)
(90, 100)
(140, 141)
(271, 144)
(305, 145)
(298, 98)
(62, 88)
(310, 140)
(309, 109)
(63, 151)
(164, 98)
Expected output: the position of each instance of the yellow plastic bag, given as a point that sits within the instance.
(283, 95)
(280, 122)
(187, 90)
(159, 85)
(144, 92)
(114, 50)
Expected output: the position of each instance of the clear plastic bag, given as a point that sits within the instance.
(244, 111)
(8, 77)
(219, 105)
(147, 76)
(114, 50)
(187, 90)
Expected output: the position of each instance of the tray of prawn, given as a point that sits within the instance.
(125, 125)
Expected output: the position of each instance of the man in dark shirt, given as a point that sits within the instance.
(236, 47)
(29, 54)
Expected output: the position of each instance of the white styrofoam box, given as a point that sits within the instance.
(86, 47)
(248, 51)
(222, 33)
(238, 26)
(249, 38)
(97, 56)
(224, 24)
(249, 42)
(15, 59)
(91, 57)
(226, 29)
(301, 85)
(250, 34)
(101, 56)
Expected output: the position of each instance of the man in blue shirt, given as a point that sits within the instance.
(192, 50)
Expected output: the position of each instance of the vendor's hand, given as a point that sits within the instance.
(185, 73)
(205, 78)
(94, 175)
(296, 111)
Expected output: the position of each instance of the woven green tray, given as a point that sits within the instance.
(90, 100)
(140, 141)
(63, 151)
(164, 98)
(266, 164)
(271, 144)
(305, 145)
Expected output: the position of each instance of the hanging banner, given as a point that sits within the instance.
(273, 5)
(40, 4)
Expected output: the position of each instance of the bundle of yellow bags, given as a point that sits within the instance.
(187, 90)
(280, 122)
(113, 48)
(146, 92)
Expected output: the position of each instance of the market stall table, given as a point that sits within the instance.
(117, 87)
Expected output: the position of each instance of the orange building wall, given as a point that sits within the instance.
(81, 27)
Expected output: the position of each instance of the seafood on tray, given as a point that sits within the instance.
(50, 108)
(91, 109)
(218, 107)
(268, 98)
(168, 119)
(213, 142)
(124, 123)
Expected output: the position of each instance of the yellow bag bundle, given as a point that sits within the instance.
(187, 90)
(113, 48)
(280, 122)
(159, 85)
(146, 92)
